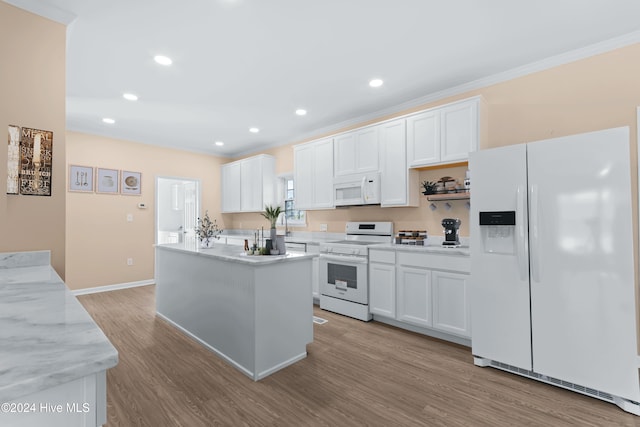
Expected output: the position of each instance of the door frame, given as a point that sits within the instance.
(198, 183)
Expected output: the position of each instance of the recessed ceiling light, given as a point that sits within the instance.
(375, 83)
(254, 130)
(130, 96)
(108, 120)
(219, 143)
(301, 112)
(163, 60)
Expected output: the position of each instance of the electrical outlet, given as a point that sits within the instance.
(129, 261)
(323, 227)
(129, 217)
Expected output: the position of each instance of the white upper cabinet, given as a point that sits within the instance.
(443, 135)
(356, 152)
(458, 131)
(423, 139)
(313, 175)
(248, 184)
(230, 187)
(398, 185)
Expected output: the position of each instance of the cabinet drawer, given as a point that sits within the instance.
(456, 263)
(387, 257)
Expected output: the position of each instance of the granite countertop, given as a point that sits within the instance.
(233, 253)
(47, 338)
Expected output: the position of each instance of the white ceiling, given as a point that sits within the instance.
(244, 63)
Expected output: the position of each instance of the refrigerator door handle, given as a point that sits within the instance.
(521, 240)
(535, 234)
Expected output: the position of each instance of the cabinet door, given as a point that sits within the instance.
(315, 277)
(414, 296)
(393, 160)
(345, 156)
(423, 139)
(251, 185)
(367, 150)
(382, 289)
(303, 176)
(322, 162)
(450, 303)
(459, 127)
(230, 187)
(315, 270)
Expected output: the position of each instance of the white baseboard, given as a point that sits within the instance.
(115, 287)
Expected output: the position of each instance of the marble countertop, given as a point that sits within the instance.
(435, 248)
(47, 338)
(233, 253)
(308, 237)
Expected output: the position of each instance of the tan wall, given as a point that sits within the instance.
(595, 93)
(32, 84)
(590, 94)
(99, 237)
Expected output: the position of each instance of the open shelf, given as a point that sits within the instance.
(448, 196)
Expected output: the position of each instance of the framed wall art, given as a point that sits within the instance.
(36, 155)
(107, 181)
(131, 183)
(81, 178)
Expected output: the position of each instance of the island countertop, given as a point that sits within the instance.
(233, 253)
(47, 338)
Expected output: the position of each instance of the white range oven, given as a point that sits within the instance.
(344, 268)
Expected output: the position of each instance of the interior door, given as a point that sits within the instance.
(177, 207)
(499, 282)
(582, 265)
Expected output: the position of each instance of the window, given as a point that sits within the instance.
(293, 216)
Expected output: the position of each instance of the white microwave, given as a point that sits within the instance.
(354, 190)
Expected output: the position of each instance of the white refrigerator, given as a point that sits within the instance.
(552, 288)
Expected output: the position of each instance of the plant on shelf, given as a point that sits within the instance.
(207, 230)
(429, 187)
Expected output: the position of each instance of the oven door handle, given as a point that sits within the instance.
(345, 259)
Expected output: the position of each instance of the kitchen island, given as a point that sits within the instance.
(53, 357)
(255, 312)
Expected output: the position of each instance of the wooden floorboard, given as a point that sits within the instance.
(355, 374)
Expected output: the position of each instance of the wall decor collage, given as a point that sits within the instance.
(29, 160)
(87, 179)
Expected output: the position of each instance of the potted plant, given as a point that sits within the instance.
(207, 230)
(429, 187)
(272, 213)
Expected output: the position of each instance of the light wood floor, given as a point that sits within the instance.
(356, 373)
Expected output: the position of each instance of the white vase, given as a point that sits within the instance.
(206, 243)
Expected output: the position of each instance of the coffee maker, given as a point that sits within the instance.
(451, 226)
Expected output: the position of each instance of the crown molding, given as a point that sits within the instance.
(45, 10)
(534, 67)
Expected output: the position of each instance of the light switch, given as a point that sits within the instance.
(129, 217)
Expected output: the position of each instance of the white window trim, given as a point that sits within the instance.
(282, 192)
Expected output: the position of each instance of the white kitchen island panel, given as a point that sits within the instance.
(256, 312)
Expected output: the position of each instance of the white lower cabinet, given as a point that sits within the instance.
(450, 302)
(382, 289)
(414, 296)
(315, 271)
(421, 289)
